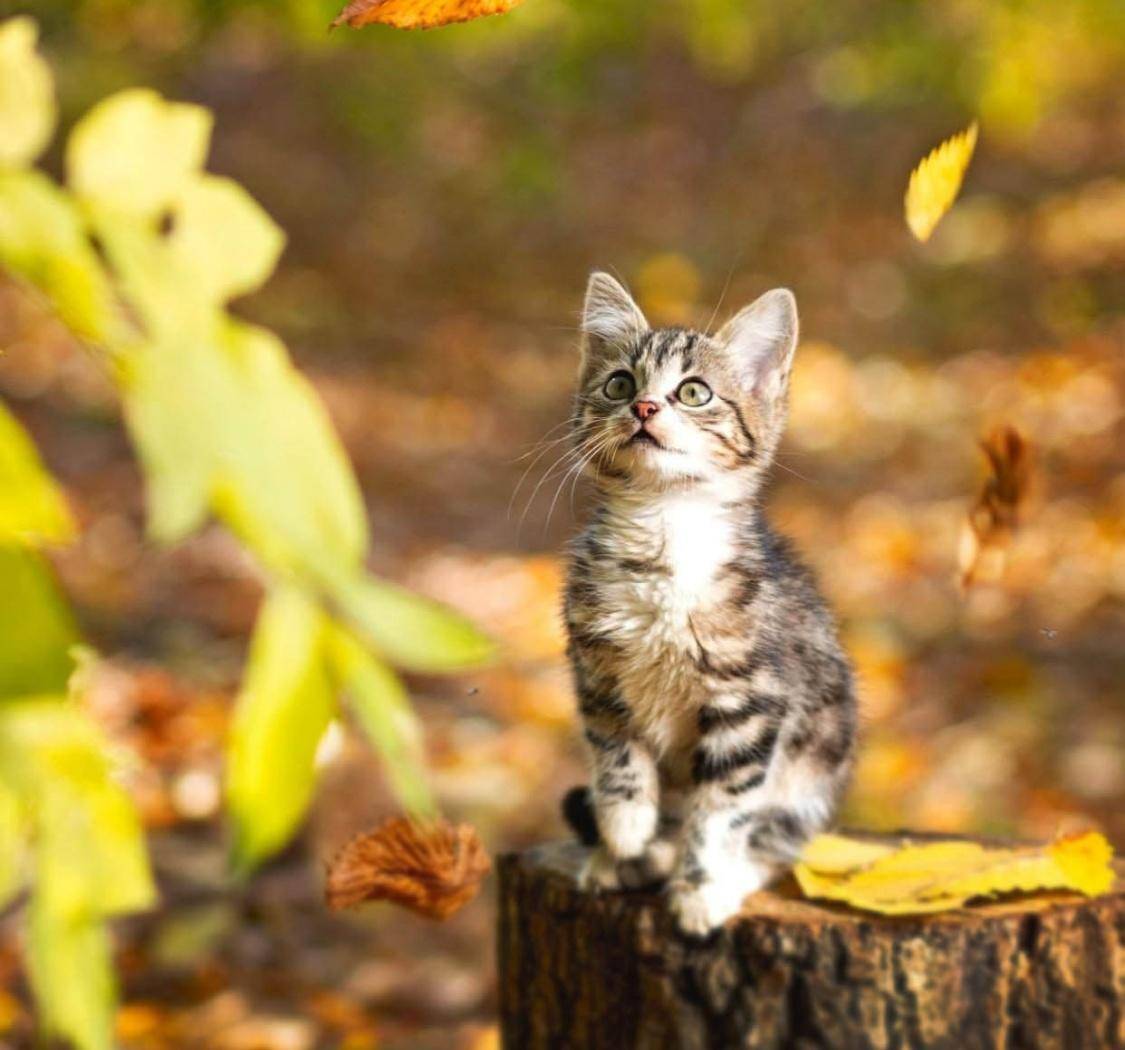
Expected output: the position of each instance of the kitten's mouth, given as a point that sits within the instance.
(643, 437)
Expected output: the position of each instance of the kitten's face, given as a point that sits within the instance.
(666, 407)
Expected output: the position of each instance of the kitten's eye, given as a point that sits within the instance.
(620, 387)
(694, 392)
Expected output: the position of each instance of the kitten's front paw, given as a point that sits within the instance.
(700, 909)
(599, 873)
(651, 868)
(627, 830)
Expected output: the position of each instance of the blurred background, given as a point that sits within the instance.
(445, 195)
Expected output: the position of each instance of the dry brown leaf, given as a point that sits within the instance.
(419, 14)
(432, 868)
(993, 519)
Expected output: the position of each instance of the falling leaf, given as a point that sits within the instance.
(419, 14)
(432, 868)
(934, 184)
(993, 519)
(938, 876)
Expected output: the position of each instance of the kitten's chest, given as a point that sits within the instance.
(663, 569)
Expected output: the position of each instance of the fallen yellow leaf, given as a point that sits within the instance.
(934, 184)
(419, 14)
(837, 854)
(938, 876)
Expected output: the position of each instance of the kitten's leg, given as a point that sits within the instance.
(625, 793)
(715, 869)
(624, 784)
(656, 864)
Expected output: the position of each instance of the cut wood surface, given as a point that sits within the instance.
(611, 972)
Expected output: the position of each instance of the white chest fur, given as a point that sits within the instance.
(666, 557)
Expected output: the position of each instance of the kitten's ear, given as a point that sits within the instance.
(610, 318)
(761, 338)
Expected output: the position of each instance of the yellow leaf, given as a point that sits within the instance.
(27, 94)
(935, 183)
(419, 14)
(938, 876)
(1086, 862)
(134, 153)
(837, 854)
(33, 510)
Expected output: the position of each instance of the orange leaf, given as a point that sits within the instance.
(993, 519)
(419, 14)
(432, 868)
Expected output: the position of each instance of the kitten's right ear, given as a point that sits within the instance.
(610, 317)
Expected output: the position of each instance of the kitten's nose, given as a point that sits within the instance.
(644, 409)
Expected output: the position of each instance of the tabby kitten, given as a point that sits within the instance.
(715, 697)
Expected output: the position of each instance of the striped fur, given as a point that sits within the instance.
(717, 702)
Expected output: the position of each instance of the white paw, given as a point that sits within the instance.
(599, 873)
(651, 868)
(700, 909)
(626, 830)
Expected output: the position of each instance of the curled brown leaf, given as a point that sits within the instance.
(418, 14)
(994, 517)
(432, 868)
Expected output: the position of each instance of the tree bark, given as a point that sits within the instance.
(611, 972)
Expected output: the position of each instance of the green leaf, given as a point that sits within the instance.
(13, 845)
(134, 153)
(43, 240)
(71, 970)
(220, 415)
(170, 394)
(412, 632)
(286, 486)
(89, 857)
(32, 508)
(224, 238)
(36, 627)
(284, 708)
(162, 292)
(86, 826)
(27, 94)
(383, 709)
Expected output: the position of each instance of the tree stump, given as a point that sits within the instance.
(611, 972)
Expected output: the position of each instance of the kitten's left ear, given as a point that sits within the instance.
(761, 338)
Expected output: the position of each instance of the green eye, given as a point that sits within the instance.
(693, 393)
(620, 387)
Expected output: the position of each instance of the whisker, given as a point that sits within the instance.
(726, 288)
(795, 473)
(566, 458)
(581, 428)
(574, 484)
(575, 469)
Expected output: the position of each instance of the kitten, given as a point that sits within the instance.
(715, 697)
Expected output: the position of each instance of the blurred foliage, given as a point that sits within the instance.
(223, 424)
(66, 827)
(443, 195)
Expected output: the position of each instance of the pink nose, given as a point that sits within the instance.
(644, 409)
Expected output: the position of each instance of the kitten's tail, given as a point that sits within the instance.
(578, 812)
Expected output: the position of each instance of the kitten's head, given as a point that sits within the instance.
(660, 408)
